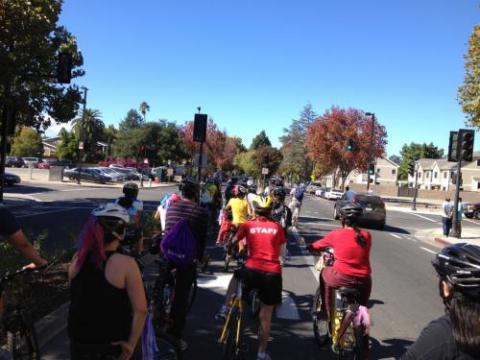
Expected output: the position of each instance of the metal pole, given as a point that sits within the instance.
(200, 160)
(79, 168)
(456, 220)
(3, 154)
(370, 160)
(415, 190)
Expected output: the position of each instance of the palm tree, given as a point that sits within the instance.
(89, 128)
(144, 107)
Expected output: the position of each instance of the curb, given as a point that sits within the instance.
(442, 241)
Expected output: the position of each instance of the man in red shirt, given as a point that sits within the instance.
(351, 247)
(262, 271)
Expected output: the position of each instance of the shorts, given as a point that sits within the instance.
(267, 284)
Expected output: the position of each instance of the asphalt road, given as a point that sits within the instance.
(404, 297)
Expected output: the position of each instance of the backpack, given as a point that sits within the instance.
(299, 193)
(179, 244)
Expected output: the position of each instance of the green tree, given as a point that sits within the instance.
(30, 41)
(109, 136)
(68, 146)
(469, 92)
(395, 158)
(244, 161)
(268, 157)
(415, 151)
(27, 142)
(132, 120)
(89, 128)
(260, 140)
(144, 108)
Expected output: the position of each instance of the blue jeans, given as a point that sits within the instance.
(447, 225)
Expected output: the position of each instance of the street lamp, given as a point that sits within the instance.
(80, 134)
(370, 150)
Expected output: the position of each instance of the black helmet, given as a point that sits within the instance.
(351, 211)
(252, 189)
(130, 190)
(459, 264)
(279, 192)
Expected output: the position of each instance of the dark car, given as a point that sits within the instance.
(14, 161)
(87, 174)
(11, 179)
(373, 207)
(472, 210)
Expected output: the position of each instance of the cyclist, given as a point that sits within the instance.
(186, 208)
(134, 208)
(10, 230)
(262, 271)
(351, 247)
(239, 205)
(107, 299)
(295, 205)
(252, 194)
(281, 214)
(455, 335)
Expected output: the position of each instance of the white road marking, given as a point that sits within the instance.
(426, 218)
(288, 308)
(216, 283)
(395, 236)
(428, 250)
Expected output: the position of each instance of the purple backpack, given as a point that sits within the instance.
(179, 245)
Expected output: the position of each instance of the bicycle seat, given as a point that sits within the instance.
(349, 291)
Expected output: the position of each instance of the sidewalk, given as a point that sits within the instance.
(469, 235)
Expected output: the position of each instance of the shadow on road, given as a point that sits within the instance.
(395, 229)
(27, 189)
(373, 302)
(388, 348)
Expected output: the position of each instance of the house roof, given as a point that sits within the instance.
(426, 164)
(444, 164)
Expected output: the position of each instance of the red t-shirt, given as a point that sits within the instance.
(264, 238)
(350, 258)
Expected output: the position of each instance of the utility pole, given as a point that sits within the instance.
(415, 190)
(372, 135)
(80, 148)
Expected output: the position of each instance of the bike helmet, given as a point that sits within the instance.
(189, 188)
(279, 192)
(262, 205)
(114, 219)
(130, 190)
(252, 189)
(351, 211)
(239, 190)
(112, 210)
(459, 264)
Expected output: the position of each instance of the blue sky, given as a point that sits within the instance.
(254, 64)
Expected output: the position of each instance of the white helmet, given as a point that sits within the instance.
(112, 210)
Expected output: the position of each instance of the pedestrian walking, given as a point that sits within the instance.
(447, 212)
(297, 194)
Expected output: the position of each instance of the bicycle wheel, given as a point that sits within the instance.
(232, 349)
(162, 302)
(22, 344)
(192, 294)
(320, 320)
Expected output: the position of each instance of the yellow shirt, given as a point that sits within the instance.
(239, 210)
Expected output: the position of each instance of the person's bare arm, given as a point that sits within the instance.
(138, 301)
(20, 242)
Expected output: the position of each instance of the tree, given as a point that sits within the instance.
(296, 163)
(133, 120)
(27, 142)
(395, 158)
(268, 157)
(109, 136)
(144, 108)
(89, 128)
(68, 146)
(30, 41)
(260, 140)
(469, 92)
(328, 135)
(245, 162)
(413, 152)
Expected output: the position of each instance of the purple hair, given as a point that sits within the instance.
(91, 243)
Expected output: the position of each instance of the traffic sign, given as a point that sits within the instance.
(170, 172)
(145, 161)
(80, 145)
(264, 171)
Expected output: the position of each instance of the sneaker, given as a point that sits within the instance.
(222, 313)
(264, 357)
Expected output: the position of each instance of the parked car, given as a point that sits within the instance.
(129, 173)
(373, 207)
(14, 161)
(47, 163)
(31, 161)
(333, 194)
(472, 210)
(11, 179)
(114, 176)
(87, 174)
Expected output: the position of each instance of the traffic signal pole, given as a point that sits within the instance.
(370, 157)
(456, 219)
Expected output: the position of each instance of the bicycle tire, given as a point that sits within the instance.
(319, 320)
(160, 314)
(22, 344)
(232, 350)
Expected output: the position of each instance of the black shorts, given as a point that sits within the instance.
(268, 285)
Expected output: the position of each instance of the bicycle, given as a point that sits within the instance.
(232, 330)
(18, 339)
(231, 251)
(345, 330)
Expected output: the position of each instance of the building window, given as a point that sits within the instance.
(426, 175)
(394, 171)
(445, 174)
(419, 174)
(478, 162)
(435, 174)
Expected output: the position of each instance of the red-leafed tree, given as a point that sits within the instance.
(329, 135)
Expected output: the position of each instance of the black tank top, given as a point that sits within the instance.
(99, 312)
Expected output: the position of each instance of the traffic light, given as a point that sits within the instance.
(465, 149)
(64, 68)
(350, 145)
(371, 169)
(453, 146)
(411, 168)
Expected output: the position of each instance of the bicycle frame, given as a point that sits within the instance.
(235, 303)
